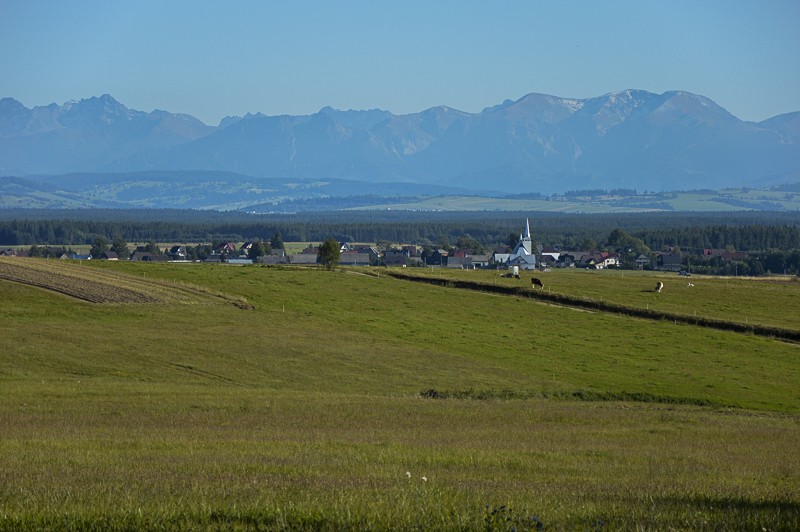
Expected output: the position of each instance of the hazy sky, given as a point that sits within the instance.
(213, 59)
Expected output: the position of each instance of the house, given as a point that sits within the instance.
(303, 258)
(275, 256)
(523, 262)
(71, 255)
(273, 259)
(459, 262)
(145, 256)
(546, 261)
(109, 255)
(500, 259)
(568, 259)
(374, 254)
(613, 260)
(8, 252)
(550, 251)
(238, 260)
(228, 248)
(412, 250)
(354, 258)
(437, 258)
(177, 253)
(598, 260)
(668, 262)
(642, 260)
(481, 261)
(396, 258)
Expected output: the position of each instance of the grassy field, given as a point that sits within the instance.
(303, 409)
(772, 301)
(705, 201)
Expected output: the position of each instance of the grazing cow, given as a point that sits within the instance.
(536, 283)
(659, 286)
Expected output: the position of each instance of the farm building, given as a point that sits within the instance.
(303, 258)
(464, 263)
(669, 262)
(396, 257)
(354, 258)
(147, 257)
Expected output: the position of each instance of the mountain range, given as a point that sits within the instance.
(539, 143)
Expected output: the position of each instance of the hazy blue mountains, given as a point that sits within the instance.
(84, 136)
(541, 143)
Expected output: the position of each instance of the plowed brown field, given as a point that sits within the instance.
(101, 286)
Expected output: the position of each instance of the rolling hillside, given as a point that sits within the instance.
(344, 400)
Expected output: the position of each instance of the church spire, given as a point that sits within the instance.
(527, 229)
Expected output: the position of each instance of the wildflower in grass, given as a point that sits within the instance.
(408, 474)
(424, 479)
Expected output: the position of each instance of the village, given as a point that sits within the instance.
(524, 256)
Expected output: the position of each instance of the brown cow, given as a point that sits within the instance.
(536, 283)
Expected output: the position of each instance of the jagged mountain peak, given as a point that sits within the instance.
(10, 104)
(534, 110)
(541, 142)
(356, 119)
(13, 116)
(97, 111)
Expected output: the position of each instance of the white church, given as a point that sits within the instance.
(522, 256)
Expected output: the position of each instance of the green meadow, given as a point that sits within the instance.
(353, 400)
(725, 200)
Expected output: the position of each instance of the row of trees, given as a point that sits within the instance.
(772, 245)
(746, 231)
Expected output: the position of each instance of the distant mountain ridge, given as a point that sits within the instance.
(632, 138)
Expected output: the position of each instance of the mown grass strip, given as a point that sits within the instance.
(82, 288)
(604, 306)
(95, 285)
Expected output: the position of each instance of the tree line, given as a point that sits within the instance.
(771, 239)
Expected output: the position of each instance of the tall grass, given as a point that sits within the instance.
(304, 412)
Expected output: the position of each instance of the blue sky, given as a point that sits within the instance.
(213, 59)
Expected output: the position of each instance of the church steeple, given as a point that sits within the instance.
(522, 256)
(525, 244)
(526, 240)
